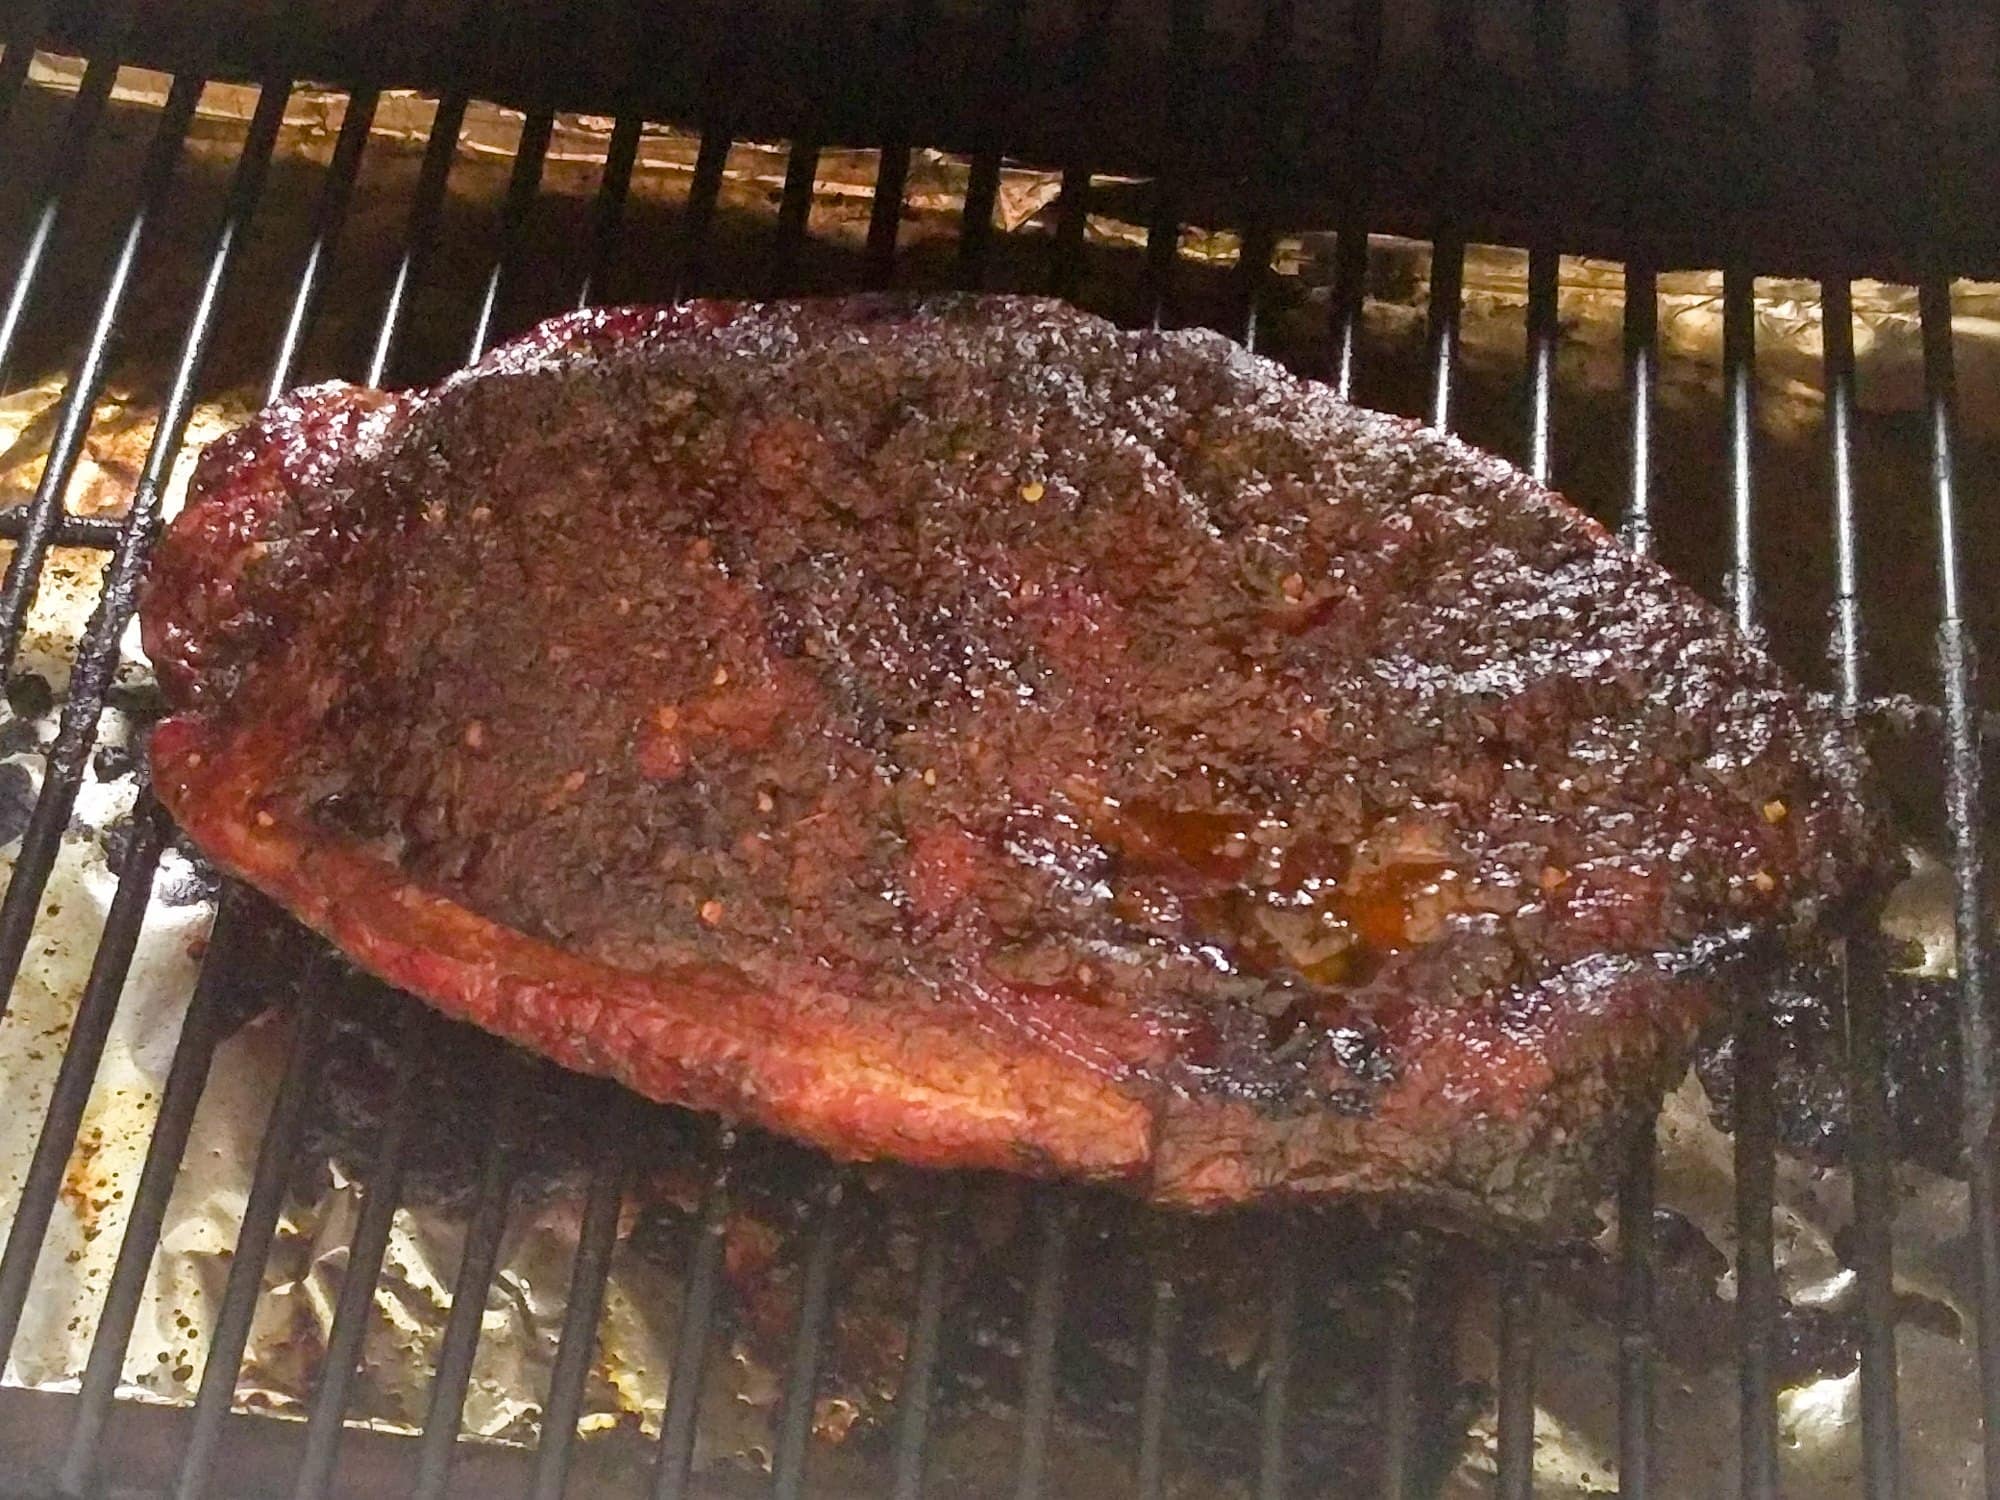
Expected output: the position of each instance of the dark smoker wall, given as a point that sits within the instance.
(1848, 133)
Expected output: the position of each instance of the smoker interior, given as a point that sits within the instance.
(1045, 1342)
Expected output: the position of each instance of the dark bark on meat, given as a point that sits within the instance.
(965, 733)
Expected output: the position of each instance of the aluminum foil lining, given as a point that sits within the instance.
(1576, 1416)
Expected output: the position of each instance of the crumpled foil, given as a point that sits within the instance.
(1576, 1387)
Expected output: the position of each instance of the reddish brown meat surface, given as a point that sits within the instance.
(967, 733)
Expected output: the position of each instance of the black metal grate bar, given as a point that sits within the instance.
(201, 1030)
(795, 1414)
(1515, 1479)
(329, 218)
(1072, 218)
(1739, 383)
(1964, 795)
(1038, 1381)
(1399, 1381)
(1642, 310)
(71, 531)
(82, 1050)
(1874, 1213)
(24, 568)
(1635, 1321)
(97, 655)
(794, 209)
(275, 1154)
(523, 184)
(1837, 332)
(1861, 959)
(607, 211)
(1080, 69)
(1544, 269)
(1441, 337)
(1350, 271)
(84, 113)
(913, 1398)
(709, 162)
(420, 235)
(1964, 810)
(20, 52)
(1156, 1390)
(439, 1442)
(1163, 226)
(704, 1277)
(1454, 41)
(885, 210)
(1275, 108)
(1274, 1404)
(1636, 1249)
(1642, 377)
(1756, 1125)
(356, 1301)
(576, 1347)
(982, 187)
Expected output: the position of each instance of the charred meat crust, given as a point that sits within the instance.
(963, 732)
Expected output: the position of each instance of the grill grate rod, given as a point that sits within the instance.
(892, 174)
(913, 1399)
(607, 211)
(85, 111)
(24, 568)
(1163, 226)
(1350, 271)
(704, 1276)
(1038, 1380)
(276, 1152)
(1515, 1479)
(325, 1423)
(795, 1414)
(982, 186)
(1275, 105)
(1156, 1390)
(699, 216)
(439, 1443)
(82, 1050)
(97, 655)
(1874, 1213)
(329, 218)
(1756, 1279)
(420, 234)
(1964, 808)
(577, 1344)
(1404, 1290)
(201, 1030)
(1635, 1320)
(1081, 66)
(100, 532)
(1860, 958)
(1273, 1409)
(20, 52)
(523, 184)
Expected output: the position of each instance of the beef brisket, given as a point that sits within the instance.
(963, 732)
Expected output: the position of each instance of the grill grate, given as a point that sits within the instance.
(43, 524)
